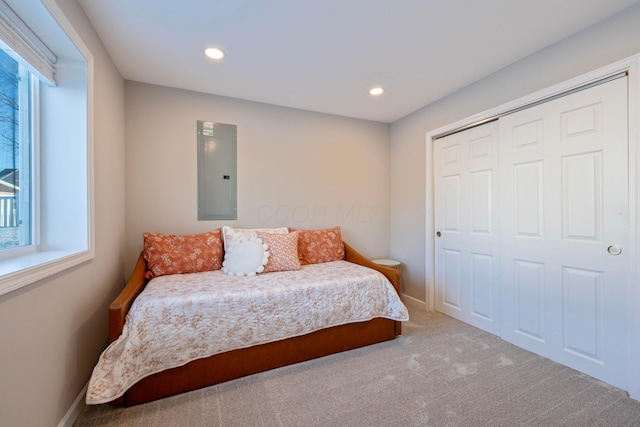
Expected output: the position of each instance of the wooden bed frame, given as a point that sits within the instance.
(239, 363)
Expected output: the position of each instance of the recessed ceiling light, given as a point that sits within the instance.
(376, 91)
(214, 53)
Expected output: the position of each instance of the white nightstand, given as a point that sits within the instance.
(388, 263)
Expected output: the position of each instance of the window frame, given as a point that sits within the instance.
(28, 142)
(50, 255)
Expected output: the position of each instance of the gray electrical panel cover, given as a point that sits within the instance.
(217, 169)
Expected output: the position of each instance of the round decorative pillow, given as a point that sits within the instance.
(245, 254)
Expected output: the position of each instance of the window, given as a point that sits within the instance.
(15, 155)
(45, 144)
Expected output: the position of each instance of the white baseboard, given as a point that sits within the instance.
(74, 411)
(414, 302)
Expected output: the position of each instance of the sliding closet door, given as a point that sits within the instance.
(466, 224)
(564, 230)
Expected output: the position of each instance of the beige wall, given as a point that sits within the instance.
(51, 332)
(600, 45)
(295, 168)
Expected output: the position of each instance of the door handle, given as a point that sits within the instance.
(614, 250)
(438, 233)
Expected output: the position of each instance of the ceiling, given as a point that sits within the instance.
(324, 55)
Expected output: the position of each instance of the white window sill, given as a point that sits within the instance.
(24, 270)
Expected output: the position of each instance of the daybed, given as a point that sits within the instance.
(227, 365)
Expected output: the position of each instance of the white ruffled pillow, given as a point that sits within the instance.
(245, 253)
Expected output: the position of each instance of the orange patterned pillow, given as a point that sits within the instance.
(176, 254)
(316, 246)
(283, 249)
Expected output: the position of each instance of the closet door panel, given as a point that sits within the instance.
(564, 209)
(483, 286)
(466, 251)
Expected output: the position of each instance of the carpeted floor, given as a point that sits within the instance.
(440, 372)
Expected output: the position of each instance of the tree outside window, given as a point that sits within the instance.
(10, 156)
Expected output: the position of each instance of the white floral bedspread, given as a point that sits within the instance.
(180, 318)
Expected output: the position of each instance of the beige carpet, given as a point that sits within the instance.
(441, 372)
